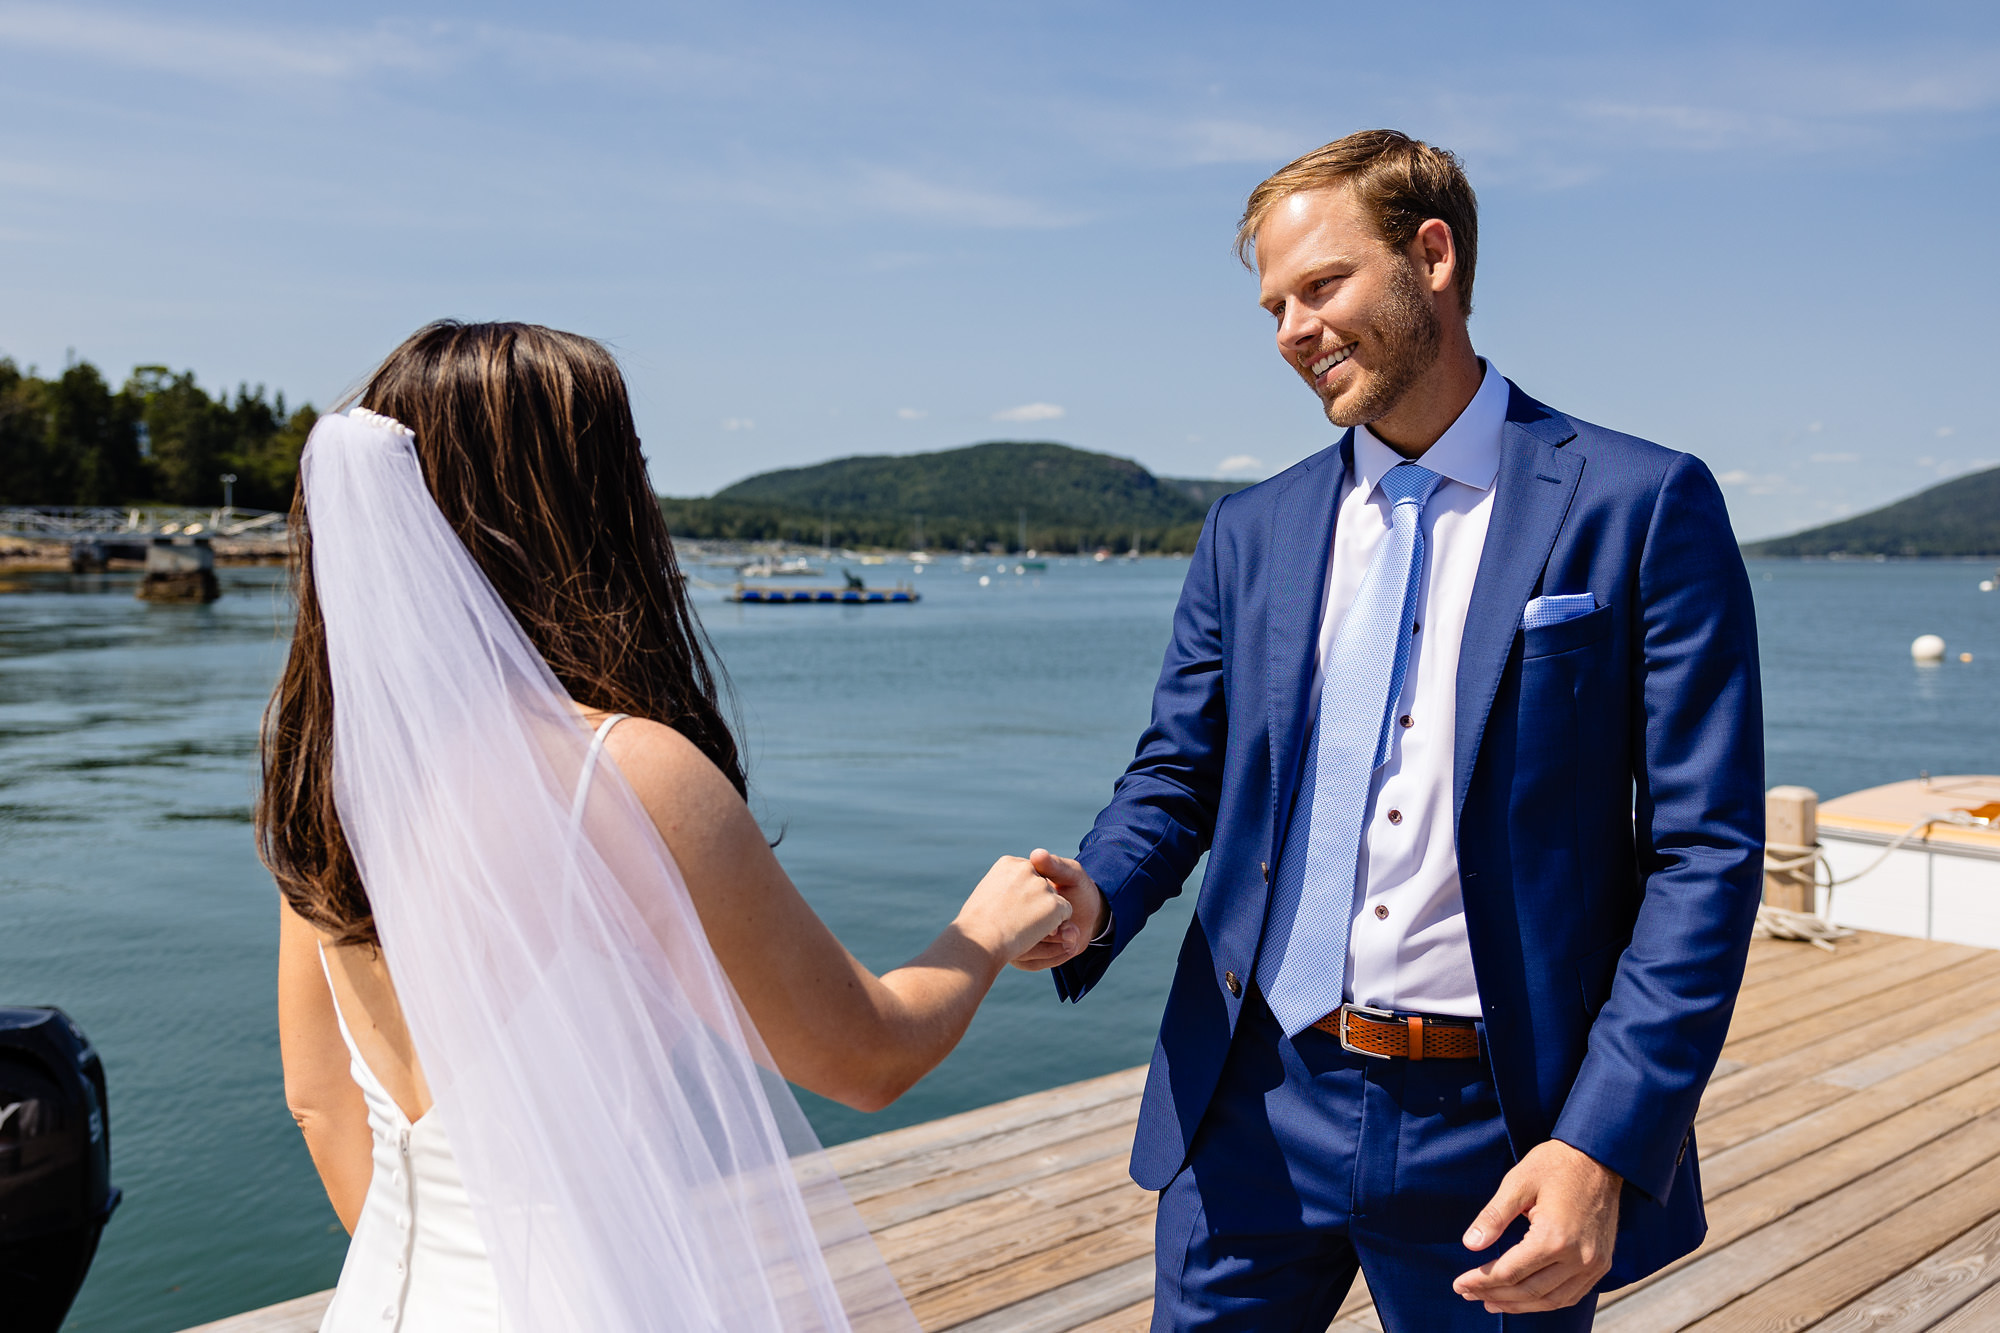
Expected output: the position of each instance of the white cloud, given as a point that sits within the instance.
(1240, 465)
(911, 413)
(1836, 458)
(1030, 412)
(1946, 432)
(1221, 141)
(1752, 482)
(905, 194)
(738, 423)
(1815, 427)
(235, 53)
(201, 50)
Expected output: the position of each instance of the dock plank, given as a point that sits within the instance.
(859, 1156)
(295, 1316)
(1758, 1255)
(1941, 1285)
(1788, 1140)
(1759, 1073)
(1837, 1275)
(1981, 1316)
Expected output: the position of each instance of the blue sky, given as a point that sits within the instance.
(1763, 233)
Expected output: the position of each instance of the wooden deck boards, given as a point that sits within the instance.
(1850, 1156)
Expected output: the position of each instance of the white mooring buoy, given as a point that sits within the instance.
(1927, 648)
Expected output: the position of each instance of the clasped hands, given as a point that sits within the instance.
(1568, 1197)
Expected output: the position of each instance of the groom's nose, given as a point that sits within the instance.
(1299, 330)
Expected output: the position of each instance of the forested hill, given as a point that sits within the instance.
(963, 498)
(1959, 518)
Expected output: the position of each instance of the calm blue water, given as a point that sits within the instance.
(898, 748)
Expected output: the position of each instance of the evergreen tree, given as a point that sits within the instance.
(92, 439)
(72, 440)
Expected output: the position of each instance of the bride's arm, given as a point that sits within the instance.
(322, 1094)
(831, 1024)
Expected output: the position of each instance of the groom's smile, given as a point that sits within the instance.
(1320, 371)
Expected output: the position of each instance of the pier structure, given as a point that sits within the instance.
(179, 569)
(1850, 1160)
(99, 534)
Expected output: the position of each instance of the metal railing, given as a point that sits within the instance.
(71, 523)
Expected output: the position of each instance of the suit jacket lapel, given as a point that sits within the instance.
(1532, 494)
(1301, 544)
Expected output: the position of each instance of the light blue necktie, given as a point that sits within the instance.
(1302, 963)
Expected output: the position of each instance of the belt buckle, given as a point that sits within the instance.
(1366, 1012)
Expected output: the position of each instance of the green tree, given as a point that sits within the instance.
(24, 438)
(93, 442)
(266, 461)
(187, 433)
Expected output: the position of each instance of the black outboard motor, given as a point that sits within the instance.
(55, 1165)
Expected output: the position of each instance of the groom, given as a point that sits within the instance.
(1465, 711)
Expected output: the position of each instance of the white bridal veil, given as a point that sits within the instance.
(632, 1160)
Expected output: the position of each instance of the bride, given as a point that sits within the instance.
(539, 971)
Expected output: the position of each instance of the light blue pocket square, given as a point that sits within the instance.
(1554, 610)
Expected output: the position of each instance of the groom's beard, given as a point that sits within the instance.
(1407, 336)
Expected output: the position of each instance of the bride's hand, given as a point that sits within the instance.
(1012, 908)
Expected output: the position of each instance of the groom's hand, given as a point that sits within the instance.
(1086, 902)
(1571, 1203)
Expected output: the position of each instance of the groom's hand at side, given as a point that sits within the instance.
(1086, 902)
(1571, 1203)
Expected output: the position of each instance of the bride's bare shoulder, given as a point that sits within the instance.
(679, 785)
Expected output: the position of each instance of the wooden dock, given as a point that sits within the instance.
(1850, 1156)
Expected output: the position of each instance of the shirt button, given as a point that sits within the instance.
(1395, 816)
(1381, 913)
(1406, 720)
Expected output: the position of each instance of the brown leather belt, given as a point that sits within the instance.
(1388, 1036)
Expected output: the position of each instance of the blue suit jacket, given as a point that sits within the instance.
(1608, 784)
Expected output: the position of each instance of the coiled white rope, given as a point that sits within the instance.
(1817, 928)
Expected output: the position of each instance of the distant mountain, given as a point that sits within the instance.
(1960, 517)
(1205, 490)
(967, 498)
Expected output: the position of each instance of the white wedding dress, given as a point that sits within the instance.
(417, 1263)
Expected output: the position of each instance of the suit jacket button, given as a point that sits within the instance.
(1265, 867)
(1235, 986)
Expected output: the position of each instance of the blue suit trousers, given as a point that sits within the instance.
(1311, 1163)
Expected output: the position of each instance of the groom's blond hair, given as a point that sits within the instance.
(1400, 182)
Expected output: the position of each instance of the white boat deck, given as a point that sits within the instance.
(1923, 857)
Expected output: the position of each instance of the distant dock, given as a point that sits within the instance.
(1850, 1159)
(744, 592)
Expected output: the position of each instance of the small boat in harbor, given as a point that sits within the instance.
(798, 566)
(1918, 858)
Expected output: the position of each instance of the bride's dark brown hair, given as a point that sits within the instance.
(526, 440)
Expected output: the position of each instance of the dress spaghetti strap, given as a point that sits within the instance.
(589, 772)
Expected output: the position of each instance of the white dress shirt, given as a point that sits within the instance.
(1407, 946)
